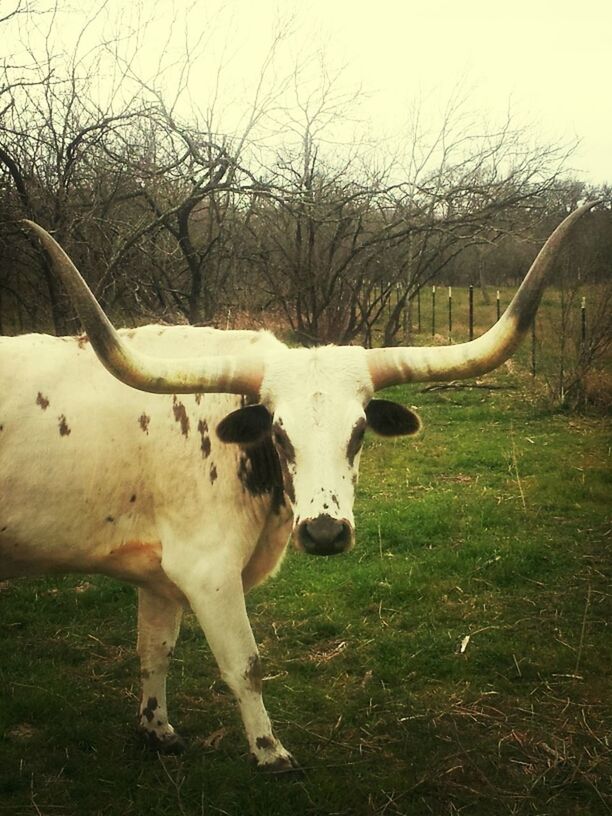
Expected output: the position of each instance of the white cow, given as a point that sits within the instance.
(179, 486)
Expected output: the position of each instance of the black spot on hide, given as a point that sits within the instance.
(259, 470)
(149, 710)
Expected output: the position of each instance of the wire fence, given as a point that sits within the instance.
(454, 318)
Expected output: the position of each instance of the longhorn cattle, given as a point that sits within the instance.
(185, 461)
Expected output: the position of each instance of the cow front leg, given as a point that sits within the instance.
(159, 621)
(217, 599)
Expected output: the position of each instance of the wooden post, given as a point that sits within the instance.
(583, 325)
(450, 313)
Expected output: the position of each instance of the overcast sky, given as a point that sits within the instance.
(550, 61)
(547, 61)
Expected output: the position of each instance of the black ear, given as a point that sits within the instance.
(390, 419)
(246, 426)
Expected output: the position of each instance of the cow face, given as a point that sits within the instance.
(315, 407)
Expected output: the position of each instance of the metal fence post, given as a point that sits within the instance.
(433, 310)
(471, 311)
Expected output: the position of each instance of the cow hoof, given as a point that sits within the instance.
(164, 743)
(281, 765)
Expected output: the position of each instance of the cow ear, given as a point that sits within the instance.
(390, 419)
(246, 426)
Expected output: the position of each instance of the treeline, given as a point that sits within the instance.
(169, 218)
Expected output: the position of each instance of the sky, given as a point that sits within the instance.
(546, 62)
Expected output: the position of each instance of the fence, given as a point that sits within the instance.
(426, 315)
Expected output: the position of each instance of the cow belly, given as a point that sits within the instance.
(136, 562)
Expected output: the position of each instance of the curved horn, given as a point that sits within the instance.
(223, 374)
(392, 366)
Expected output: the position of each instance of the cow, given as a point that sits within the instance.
(185, 462)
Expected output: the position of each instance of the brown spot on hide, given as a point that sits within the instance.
(63, 426)
(132, 498)
(213, 473)
(356, 440)
(82, 340)
(254, 674)
(143, 421)
(264, 742)
(283, 443)
(110, 519)
(180, 415)
(205, 443)
(134, 559)
(288, 481)
(42, 401)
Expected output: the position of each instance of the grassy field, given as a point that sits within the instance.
(456, 662)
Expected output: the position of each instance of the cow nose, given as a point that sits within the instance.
(324, 535)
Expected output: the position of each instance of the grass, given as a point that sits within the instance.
(457, 661)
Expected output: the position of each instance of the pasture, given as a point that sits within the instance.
(457, 661)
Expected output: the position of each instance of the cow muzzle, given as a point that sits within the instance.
(324, 535)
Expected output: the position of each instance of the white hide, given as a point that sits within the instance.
(98, 477)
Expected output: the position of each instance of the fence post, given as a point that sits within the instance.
(433, 310)
(471, 311)
(583, 325)
(498, 305)
(450, 313)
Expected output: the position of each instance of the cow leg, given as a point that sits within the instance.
(217, 598)
(159, 621)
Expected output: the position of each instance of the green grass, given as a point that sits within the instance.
(493, 524)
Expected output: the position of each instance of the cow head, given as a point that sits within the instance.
(316, 404)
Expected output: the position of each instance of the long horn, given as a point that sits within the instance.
(223, 374)
(392, 366)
